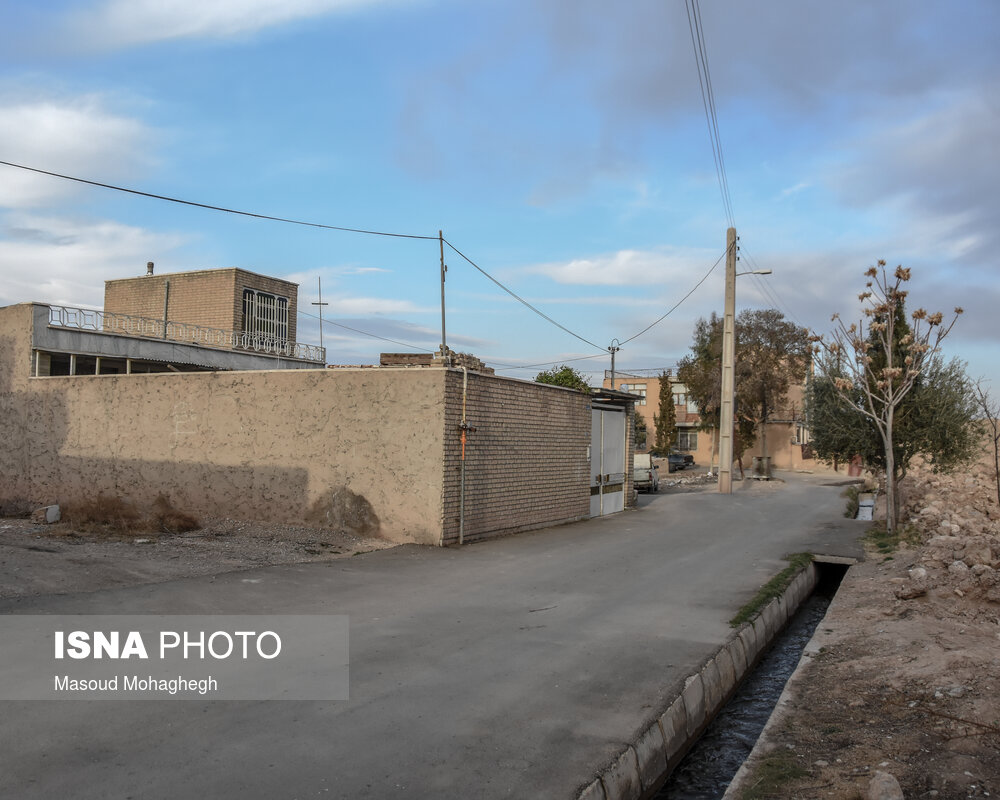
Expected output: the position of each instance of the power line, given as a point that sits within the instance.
(771, 292)
(365, 333)
(650, 370)
(708, 102)
(522, 300)
(546, 364)
(369, 232)
(215, 208)
(685, 297)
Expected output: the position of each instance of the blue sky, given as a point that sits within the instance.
(560, 144)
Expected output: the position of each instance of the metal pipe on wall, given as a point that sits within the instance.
(464, 427)
(166, 300)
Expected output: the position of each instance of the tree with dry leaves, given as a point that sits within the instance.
(771, 354)
(879, 359)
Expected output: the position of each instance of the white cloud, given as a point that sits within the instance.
(794, 189)
(78, 137)
(123, 23)
(371, 305)
(65, 261)
(627, 268)
(338, 301)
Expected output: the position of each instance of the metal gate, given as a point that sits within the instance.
(607, 460)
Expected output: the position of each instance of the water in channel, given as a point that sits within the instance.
(711, 764)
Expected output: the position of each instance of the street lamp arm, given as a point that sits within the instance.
(754, 272)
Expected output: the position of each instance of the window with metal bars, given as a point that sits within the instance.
(265, 314)
(687, 440)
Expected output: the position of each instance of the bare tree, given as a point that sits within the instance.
(881, 357)
(991, 411)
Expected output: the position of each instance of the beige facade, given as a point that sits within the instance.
(211, 298)
(271, 444)
(787, 436)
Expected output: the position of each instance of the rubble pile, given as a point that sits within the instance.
(958, 521)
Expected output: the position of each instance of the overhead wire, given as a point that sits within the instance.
(770, 291)
(708, 102)
(503, 366)
(215, 208)
(287, 220)
(370, 232)
(675, 305)
(521, 300)
(363, 333)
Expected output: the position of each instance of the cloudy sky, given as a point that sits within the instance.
(559, 144)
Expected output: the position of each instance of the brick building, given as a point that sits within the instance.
(230, 299)
(222, 319)
(647, 389)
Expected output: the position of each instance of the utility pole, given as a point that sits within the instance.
(613, 349)
(444, 269)
(319, 285)
(728, 370)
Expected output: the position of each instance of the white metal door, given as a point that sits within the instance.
(607, 460)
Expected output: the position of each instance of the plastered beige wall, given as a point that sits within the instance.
(249, 445)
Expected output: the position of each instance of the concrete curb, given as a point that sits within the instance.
(644, 765)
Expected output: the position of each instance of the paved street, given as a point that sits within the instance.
(511, 668)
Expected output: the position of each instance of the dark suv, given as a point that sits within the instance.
(676, 461)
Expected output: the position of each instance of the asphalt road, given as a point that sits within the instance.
(511, 668)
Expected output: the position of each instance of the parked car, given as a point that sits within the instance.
(645, 475)
(676, 461)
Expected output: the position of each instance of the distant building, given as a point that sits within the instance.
(787, 433)
(221, 319)
(647, 389)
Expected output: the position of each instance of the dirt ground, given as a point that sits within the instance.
(60, 559)
(903, 675)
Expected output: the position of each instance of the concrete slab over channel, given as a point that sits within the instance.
(520, 667)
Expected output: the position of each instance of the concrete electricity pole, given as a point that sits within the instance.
(613, 349)
(444, 269)
(728, 369)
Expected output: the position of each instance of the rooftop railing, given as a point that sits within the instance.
(88, 319)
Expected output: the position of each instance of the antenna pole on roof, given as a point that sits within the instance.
(319, 286)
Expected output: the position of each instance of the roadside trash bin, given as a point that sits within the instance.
(761, 467)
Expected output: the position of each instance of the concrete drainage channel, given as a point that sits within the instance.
(644, 766)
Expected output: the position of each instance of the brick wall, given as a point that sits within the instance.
(209, 298)
(526, 463)
(630, 494)
(406, 359)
